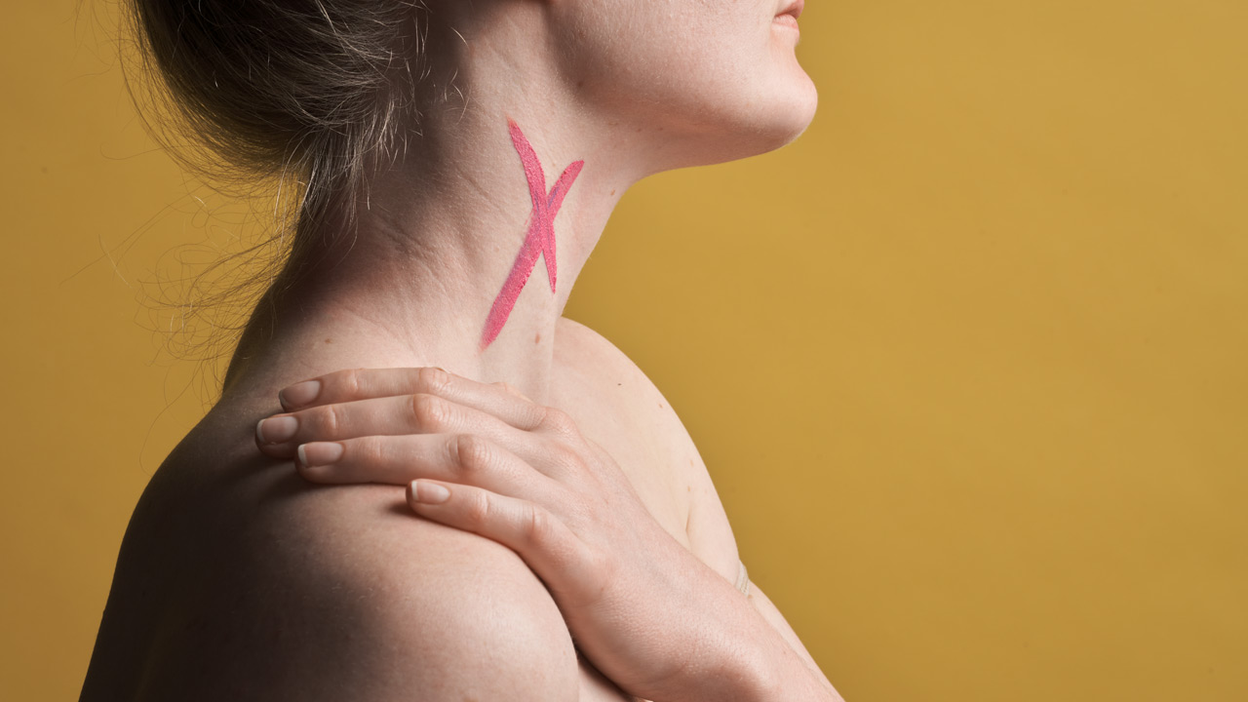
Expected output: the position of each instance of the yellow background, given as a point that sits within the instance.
(977, 405)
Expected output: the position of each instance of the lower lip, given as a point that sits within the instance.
(788, 21)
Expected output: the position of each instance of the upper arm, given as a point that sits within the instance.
(343, 593)
(441, 614)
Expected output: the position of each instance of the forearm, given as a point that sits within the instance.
(752, 655)
(773, 616)
(783, 674)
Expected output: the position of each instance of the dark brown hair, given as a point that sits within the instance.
(309, 91)
(307, 95)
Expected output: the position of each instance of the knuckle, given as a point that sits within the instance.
(472, 453)
(429, 412)
(557, 421)
(332, 420)
(477, 512)
(535, 527)
(564, 456)
(510, 389)
(531, 416)
(348, 382)
(432, 381)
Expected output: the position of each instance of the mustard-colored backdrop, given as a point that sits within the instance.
(978, 407)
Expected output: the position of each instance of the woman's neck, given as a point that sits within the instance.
(464, 261)
(451, 260)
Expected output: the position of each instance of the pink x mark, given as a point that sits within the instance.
(541, 237)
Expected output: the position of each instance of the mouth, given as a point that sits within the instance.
(790, 12)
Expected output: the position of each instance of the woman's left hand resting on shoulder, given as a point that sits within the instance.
(483, 458)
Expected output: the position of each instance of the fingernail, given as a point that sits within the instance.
(429, 493)
(275, 430)
(299, 394)
(320, 453)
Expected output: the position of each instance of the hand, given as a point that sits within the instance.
(485, 459)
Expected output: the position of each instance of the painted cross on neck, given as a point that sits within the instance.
(540, 241)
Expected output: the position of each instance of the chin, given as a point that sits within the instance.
(791, 113)
(715, 117)
(758, 124)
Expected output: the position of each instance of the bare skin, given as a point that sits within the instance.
(239, 580)
(245, 580)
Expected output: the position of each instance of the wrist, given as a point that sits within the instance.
(749, 661)
(755, 673)
(737, 659)
(732, 652)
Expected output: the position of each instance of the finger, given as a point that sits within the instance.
(498, 399)
(545, 543)
(398, 460)
(281, 435)
(509, 388)
(383, 416)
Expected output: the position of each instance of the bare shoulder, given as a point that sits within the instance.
(242, 581)
(589, 363)
(614, 393)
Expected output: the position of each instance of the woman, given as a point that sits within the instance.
(559, 537)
